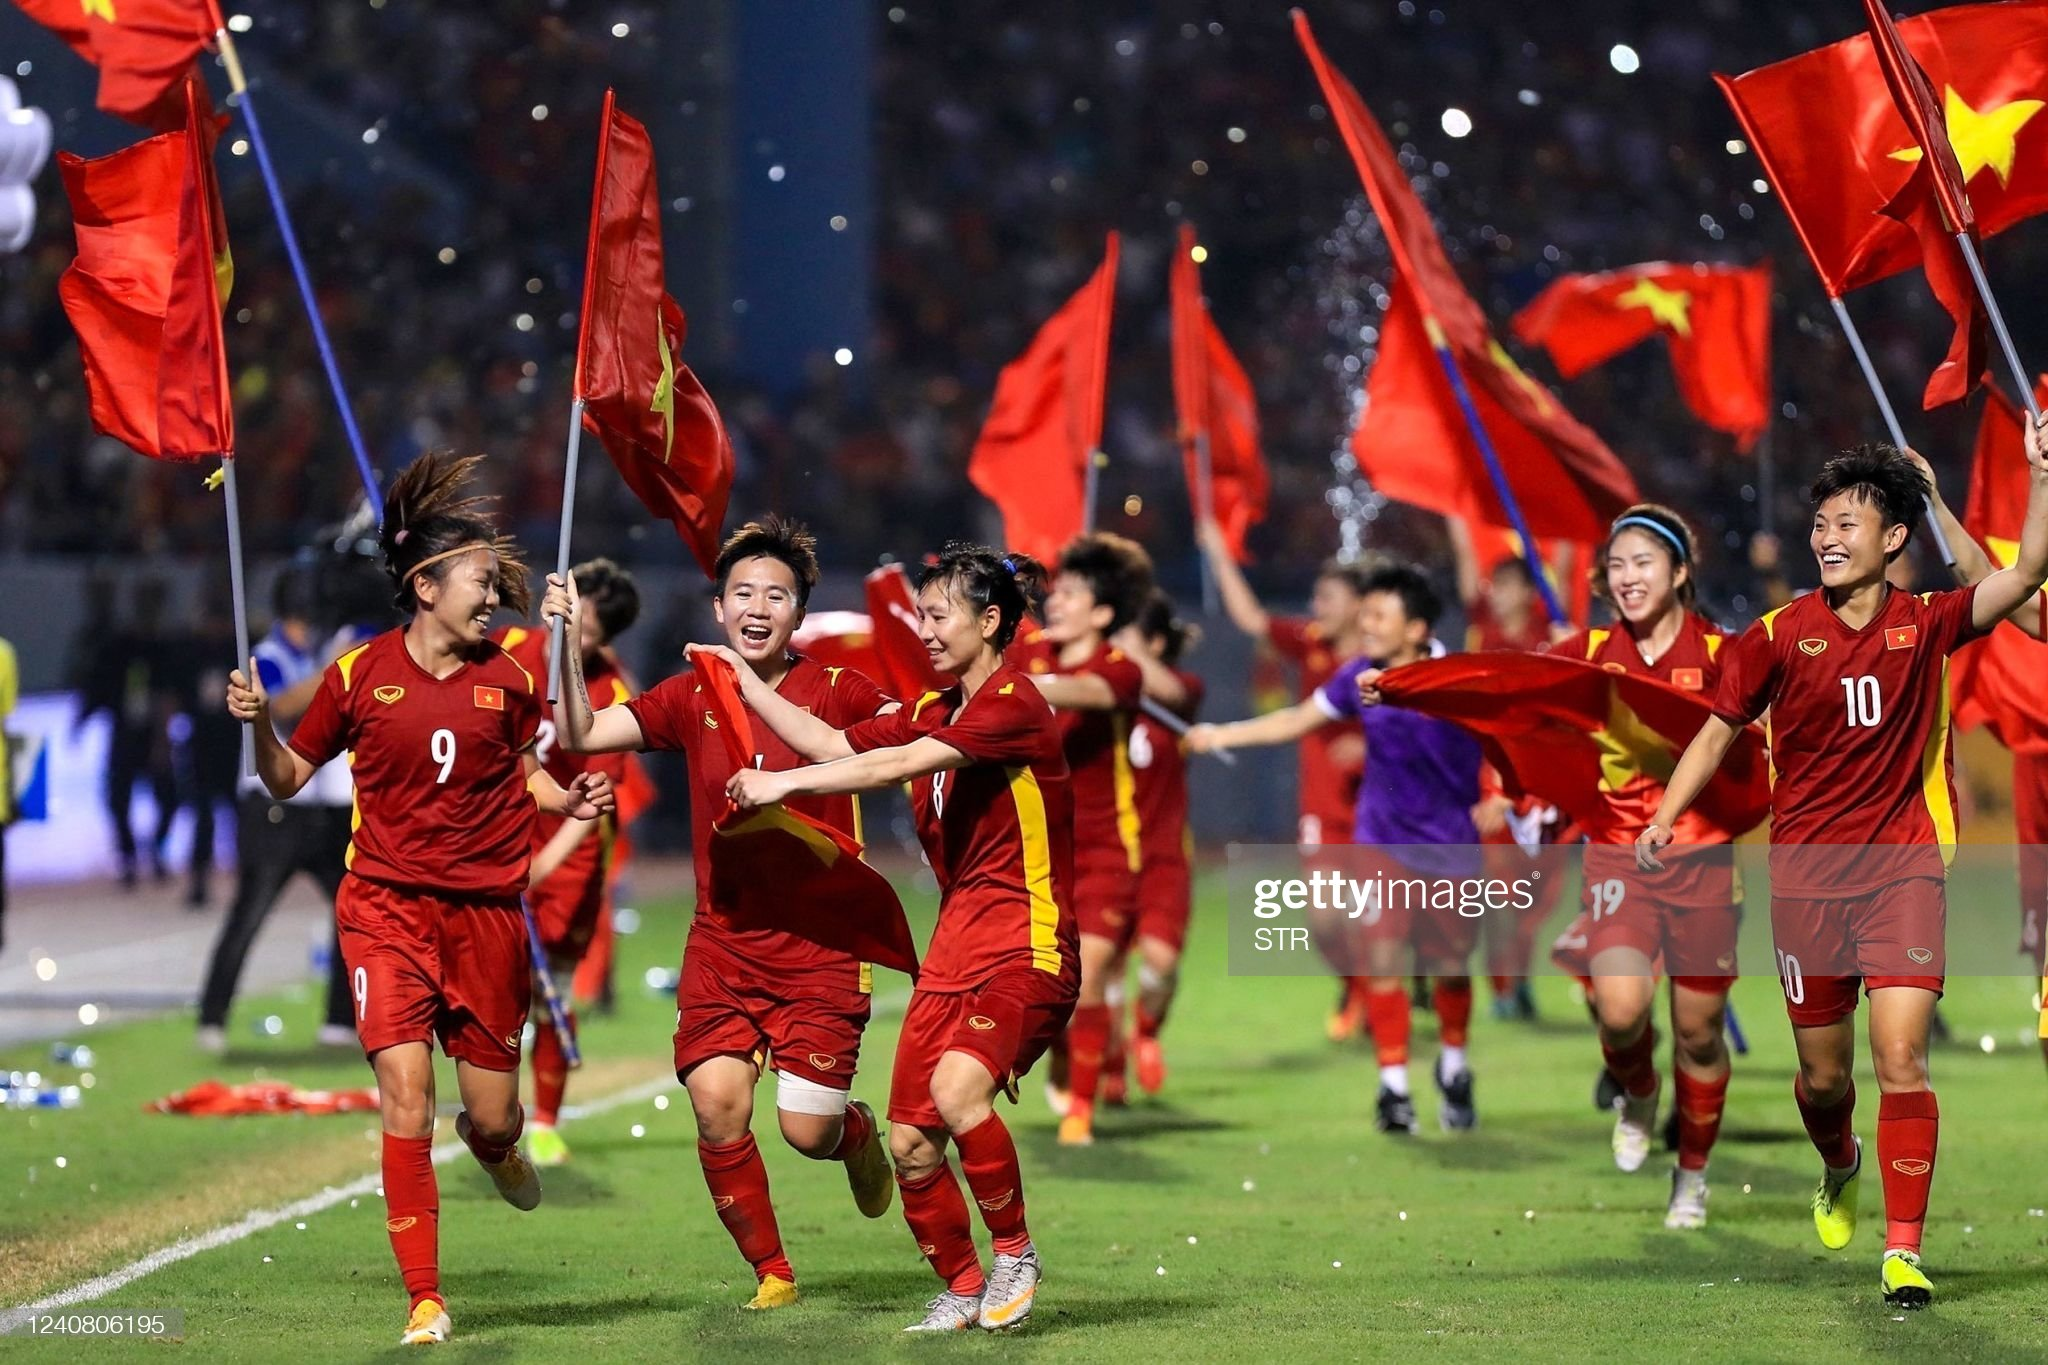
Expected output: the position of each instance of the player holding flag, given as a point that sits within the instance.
(439, 723)
(1855, 678)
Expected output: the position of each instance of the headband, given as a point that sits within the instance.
(450, 554)
(1670, 537)
(1009, 566)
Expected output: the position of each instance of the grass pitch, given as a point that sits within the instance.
(1249, 1213)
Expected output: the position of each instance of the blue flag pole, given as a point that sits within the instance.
(239, 89)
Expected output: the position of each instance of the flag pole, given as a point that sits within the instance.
(1766, 482)
(2012, 355)
(556, 626)
(1205, 496)
(1891, 418)
(238, 588)
(238, 87)
(1089, 483)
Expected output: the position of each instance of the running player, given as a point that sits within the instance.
(751, 997)
(989, 785)
(571, 858)
(440, 724)
(1416, 811)
(1855, 679)
(1332, 756)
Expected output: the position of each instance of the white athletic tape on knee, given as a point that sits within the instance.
(801, 1095)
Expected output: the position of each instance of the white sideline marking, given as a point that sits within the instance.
(268, 1218)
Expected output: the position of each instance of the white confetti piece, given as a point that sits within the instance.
(1529, 1215)
(1336, 1265)
(1191, 1241)
(302, 1227)
(1159, 1270)
(639, 1130)
(1402, 1215)
(1249, 1187)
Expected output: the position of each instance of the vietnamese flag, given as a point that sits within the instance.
(655, 420)
(1045, 424)
(1216, 406)
(1565, 563)
(143, 293)
(906, 665)
(784, 870)
(840, 639)
(1715, 321)
(1567, 732)
(1413, 440)
(1996, 682)
(143, 49)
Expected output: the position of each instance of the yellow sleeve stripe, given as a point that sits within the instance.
(522, 673)
(1595, 639)
(1126, 787)
(1769, 621)
(1714, 643)
(620, 694)
(514, 637)
(347, 664)
(922, 701)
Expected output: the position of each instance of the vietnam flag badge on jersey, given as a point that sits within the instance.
(490, 698)
(1902, 637)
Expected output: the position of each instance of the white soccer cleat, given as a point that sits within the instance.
(515, 1176)
(1633, 1120)
(1012, 1284)
(1688, 1207)
(428, 1325)
(211, 1039)
(1058, 1100)
(949, 1312)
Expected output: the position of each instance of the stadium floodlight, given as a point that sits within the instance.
(25, 139)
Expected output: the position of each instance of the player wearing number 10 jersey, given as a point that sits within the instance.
(439, 723)
(1855, 678)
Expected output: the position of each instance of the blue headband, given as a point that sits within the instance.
(1008, 565)
(1670, 536)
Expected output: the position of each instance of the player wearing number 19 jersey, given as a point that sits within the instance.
(1854, 678)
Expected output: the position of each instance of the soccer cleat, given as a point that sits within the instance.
(211, 1039)
(544, 1145)
(1347, 1021)
(1905, 1286)
(1151, 1064)
(1395, 1114)
(1633, 1118)
(949, 1312)
(515, 1176)
(1012, 1283)
(1457, 1114)
(428, 1325)
(867, 1170)
(1688, 1206)
(1077, 1129)
(1834, 1204)
(1606, 1090)
(1060, 1101)
(772, 1292)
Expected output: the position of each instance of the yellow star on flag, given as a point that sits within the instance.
(1981, 139)
(1670, 307)
(665, 391)
(1500, 357)
(103, 9)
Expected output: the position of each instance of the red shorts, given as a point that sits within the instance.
(801, 1026)
(1006, 1024)
(1106, 902)
(1892, 936)
(1438, 932)
(566, 905)
(1165, 900)
(423, 966)
(1686, 918)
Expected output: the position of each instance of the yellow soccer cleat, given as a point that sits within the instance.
(544, 1145)
(517, 1181)
(773, 1292)
(1904, 1284)
(428, 1325)
(1077, 1129)
(867, 1170)
(1834, 1204)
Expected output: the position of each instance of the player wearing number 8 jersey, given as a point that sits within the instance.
(1863, 816)
(439, 723)
(990, 788)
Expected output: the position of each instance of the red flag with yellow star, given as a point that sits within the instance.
(1215, 404)
(1715, 321)
(655, 420)
(1996, 682)
(1412, 440)
(143, 49)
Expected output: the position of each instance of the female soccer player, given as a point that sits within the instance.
(750, 996)
(989, 783)
(440, 725)
(1855, 678)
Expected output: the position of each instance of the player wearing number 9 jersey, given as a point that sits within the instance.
(1863, 818)
(439, 724)
(991, 792)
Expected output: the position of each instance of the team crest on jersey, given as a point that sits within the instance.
(1691, 679)
(388, 695)
(980, 1021)
(823, 1062)
(1901, 637)
(1812, 646)
(710, 721)
(489, 698)
(1923, 956)
(512, 1041)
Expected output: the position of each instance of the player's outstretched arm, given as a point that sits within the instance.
(752, 787)
(1162, 684)
(1696, 767)
(2014, 586)
(615, 729)
(586, 798)
(1972, 564)
(809, 735)
(1275, 727)
(1240, 603)
(1076, 691)
(283, 771)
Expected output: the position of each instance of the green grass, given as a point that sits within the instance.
(1251, 1213)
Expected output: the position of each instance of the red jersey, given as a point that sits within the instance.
(1859, 735)
(1329, 783)
(440, 783)
(998, 832)
(529, 649)
(1099, 756)
(1159, 766)
(674, 715)
(1483, 631)
(1692, 664)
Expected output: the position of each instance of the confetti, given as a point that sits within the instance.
(1249, 1187)
(302, 1227)
(1336, 1265)
(1159, 1270)
(661, 1101)
(1191, 1241)
(639, 1130)
(1529, 1214)
(266, 1260)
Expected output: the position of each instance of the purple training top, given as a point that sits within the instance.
(1421, 779)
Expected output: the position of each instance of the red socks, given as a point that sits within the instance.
(1087, 1044)
(412, 1208)
(1700, 1104)
(491, 1153)
(1634, 1065)
(1502, 986)
(739, 1191)
(550, 1070)
(856, 1131)
(1829, 1127)
(1907, 1128)
(1386, 1014)
(1452, 999)
(938, 1220)
(1147, 1023)
(988, 1158)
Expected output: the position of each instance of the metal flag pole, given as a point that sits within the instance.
(1891, 418)
(238, 588)
(556, 659)
(1205, 497)
(2012, 355)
